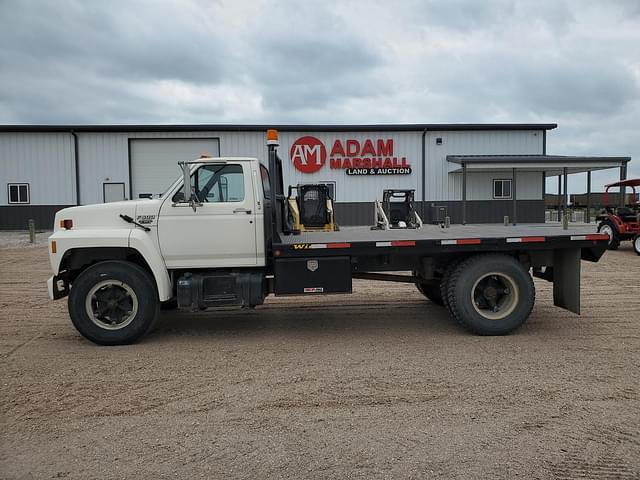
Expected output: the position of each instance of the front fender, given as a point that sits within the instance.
(140, 241)
(84, 238)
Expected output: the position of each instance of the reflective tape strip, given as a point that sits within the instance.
(525, 239)
(330, 245)
(462, 241)
(591, 236)
(468, 241)
(397, 243)
(338, 245)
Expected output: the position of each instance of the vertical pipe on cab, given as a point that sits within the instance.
(424, 172)
(464, 193)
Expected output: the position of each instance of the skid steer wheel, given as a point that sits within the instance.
(636, 244)
(614, 238)
(431, 291)
(490, 294)
(113, 303)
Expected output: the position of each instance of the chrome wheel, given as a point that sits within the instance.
(111, 304)
(494, 295)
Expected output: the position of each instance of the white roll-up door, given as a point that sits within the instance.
(154, 162)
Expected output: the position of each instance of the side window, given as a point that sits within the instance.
(266, 183)
(217, 184)
(18, 193)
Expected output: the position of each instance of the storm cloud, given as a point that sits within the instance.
(576, 63)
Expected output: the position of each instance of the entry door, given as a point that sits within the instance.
(113, 192)
(222, 231)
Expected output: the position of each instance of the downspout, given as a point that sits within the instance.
(424, 165)
(77, 164)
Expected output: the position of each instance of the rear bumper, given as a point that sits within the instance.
(57, 288)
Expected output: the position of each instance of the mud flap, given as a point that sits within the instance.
(566, 279)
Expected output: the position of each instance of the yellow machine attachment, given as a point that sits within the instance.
(311, 210)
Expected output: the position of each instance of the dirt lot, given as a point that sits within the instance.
(380, 384)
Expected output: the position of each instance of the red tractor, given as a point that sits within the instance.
(621, 223)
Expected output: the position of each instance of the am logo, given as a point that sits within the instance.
(308, 154)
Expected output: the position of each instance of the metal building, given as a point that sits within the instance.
(474, 173)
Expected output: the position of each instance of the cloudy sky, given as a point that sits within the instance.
(576, 63)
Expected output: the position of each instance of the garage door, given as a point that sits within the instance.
(154, 162)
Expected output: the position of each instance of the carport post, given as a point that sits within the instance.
(464, 193)
(559, 196)
(565, 194)
(589, 196)
(623, 176)
(513, 195)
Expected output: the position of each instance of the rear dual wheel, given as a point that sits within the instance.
(490, 294)
(431, 291)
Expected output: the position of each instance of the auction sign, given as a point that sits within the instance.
(371, 156)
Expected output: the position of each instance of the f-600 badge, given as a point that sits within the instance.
(145, 219)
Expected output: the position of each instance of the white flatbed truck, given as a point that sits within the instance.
(223, 243)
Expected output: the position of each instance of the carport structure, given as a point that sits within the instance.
(560, 166)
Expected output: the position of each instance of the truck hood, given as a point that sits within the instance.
(107, 215)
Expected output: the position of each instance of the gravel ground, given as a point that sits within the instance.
(380, 384)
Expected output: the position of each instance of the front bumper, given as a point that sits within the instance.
(57, 288)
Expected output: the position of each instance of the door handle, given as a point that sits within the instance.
(241, 210)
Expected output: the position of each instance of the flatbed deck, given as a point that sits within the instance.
(434, 232)
(433, 240)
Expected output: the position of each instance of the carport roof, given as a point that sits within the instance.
(550, 164)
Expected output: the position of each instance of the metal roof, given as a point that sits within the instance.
(551, 165)
(284, 128)
(562, 160)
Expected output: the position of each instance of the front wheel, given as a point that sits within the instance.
(607, 228)
(636, 244)
(113, 303)
(491, 294)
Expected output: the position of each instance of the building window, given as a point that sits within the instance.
(18, 193)
(502, 188)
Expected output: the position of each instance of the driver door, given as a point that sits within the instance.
(221, 232)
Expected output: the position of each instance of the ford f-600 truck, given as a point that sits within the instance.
(224, 241)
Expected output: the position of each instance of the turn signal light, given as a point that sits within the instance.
(66, 224)
(54, 246)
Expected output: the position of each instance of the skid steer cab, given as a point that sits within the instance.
(397, 210)
(311, 209)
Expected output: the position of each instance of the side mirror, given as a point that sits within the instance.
(190, 198)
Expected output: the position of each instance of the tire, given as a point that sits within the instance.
(444, 283)
(431, 291)
(483, 280)
(113, 303)
(609, 228)
(636, 244)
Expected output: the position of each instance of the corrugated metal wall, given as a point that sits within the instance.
(46, 161)
(43, 160)
(440, 185)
